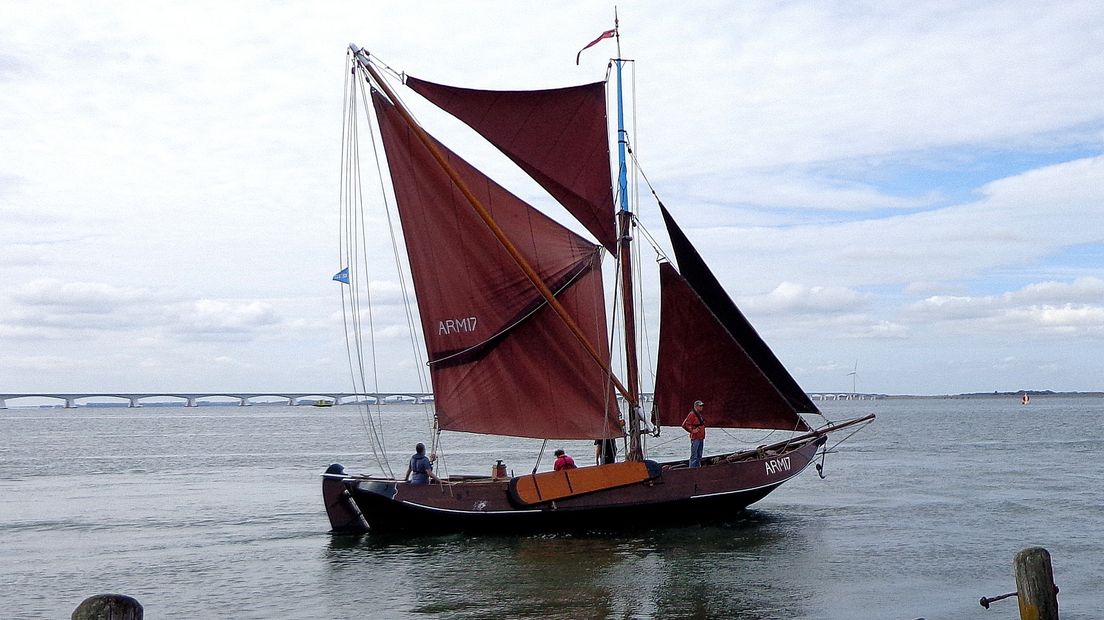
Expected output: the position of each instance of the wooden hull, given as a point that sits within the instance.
(677, 495)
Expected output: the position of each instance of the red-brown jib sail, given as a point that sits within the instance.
(711, 352)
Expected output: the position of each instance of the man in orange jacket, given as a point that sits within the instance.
(695, 425)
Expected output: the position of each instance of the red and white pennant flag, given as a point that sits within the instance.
(605, 35)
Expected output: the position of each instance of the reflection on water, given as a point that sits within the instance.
(745, 568)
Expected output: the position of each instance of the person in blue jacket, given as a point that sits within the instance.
(420, 470)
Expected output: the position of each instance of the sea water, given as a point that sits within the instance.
(217, 512)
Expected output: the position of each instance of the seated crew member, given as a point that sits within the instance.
(563, 461)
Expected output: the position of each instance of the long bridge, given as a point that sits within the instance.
(193, 399)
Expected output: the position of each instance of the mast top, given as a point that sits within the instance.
(359, 53)
(617, 33)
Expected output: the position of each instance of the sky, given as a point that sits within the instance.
(913, 191)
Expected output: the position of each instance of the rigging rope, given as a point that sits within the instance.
(350, 196)
(540, 455)
(757, 442)
(638, 273)
(413, 327)
(353, 246)
(825, 450)
(348, 121)
(363, 238)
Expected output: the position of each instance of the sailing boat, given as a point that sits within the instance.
(513, 315)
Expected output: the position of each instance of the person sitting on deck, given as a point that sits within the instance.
(420, 470)
(563, 461)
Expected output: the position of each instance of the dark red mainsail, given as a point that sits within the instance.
(558, 136)
(712, 353)
(502, 362)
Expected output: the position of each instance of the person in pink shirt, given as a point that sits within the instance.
(563, 461)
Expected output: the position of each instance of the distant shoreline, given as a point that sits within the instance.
(982, 395)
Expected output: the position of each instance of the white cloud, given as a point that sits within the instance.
(887, 329)
(83, 297)
(1017, 221)
(1037, 310)
(212, 318)
(931, 287)
(48, 363)
(791, 189)
(1087, 290)
(789, 297)
(828, 81)
(1069, 319)
(229, 362)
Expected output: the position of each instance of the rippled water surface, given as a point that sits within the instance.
(217, 512)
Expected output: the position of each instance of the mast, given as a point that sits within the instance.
(361, 57)
(624, 223)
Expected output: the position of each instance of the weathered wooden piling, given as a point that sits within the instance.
(108, 607)
(1035, 584)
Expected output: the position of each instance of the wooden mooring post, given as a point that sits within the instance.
(108, 607)
(1035, 587)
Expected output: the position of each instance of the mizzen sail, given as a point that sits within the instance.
(501, 361)
(558, 136)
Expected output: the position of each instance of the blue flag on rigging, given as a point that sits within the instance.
(342, 276)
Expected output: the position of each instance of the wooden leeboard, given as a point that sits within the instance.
(553, 485)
